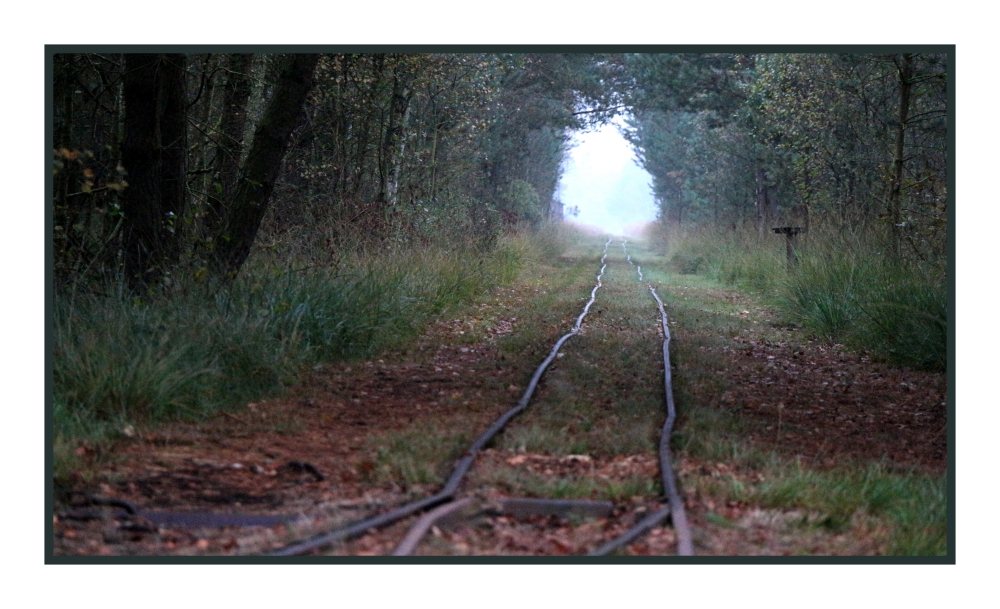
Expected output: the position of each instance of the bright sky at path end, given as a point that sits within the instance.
(601, 178)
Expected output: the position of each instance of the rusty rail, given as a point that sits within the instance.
(675, 503)
(117, 508)
(462, 466)
(424, 524)
(518, 507)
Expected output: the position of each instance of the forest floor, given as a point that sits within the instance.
(785, 445)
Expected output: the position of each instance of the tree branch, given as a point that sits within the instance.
(600, 110)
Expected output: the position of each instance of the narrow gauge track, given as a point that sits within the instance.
(445, 500)
(461, 468)
(674, 510)
(675, 503)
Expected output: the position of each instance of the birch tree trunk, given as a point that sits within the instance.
(388, 159)
(904, 68)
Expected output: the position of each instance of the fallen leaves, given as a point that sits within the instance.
(863, 410)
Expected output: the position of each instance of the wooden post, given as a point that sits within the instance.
(791, 234)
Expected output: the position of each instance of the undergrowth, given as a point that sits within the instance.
(845, 288)
(894, 310)
(121, 362)
(910, 506)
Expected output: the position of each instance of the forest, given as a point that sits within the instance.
(225, 224)
(383, 148)
(375, 149)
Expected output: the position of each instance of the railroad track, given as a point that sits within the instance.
(675, 502)
(446, 502)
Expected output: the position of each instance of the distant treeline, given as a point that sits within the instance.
(859, 141)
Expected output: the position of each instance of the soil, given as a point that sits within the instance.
(828, 405)
(311, 454)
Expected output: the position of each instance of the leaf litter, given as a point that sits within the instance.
(811, 401)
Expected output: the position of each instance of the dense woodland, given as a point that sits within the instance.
(859, 141)
(172, 164)
(222, 221)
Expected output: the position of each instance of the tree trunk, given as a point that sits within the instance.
(361, 173)
(905, 72)
(764, 201)
(434, 153)
(235, 97)
(256, 182)
(800, 210)
(154, 152)
(397, 161)
(63, 93)
(173, 131)
(202, 158)
(388, 159)
(341, 132)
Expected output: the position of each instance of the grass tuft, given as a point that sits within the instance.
(894, 310)
(418, 456)
(122, 361)
(845, 288)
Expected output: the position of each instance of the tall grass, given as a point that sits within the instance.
(121, 361)
(845, 288)
(895, 310)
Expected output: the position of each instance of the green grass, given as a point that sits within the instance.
(894, 310)
(121, 361)
(912, 506)
(521, 483)
(845, 288)
(420, 456)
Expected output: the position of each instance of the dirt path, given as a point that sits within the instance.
(358, 438)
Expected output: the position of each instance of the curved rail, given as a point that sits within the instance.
(444, 499)
(461, 468)
(417, 532)
(675, 503)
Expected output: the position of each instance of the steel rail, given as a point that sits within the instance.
(424, 524)
(123, 508)
(518, 507)
(675, 503)
(462, 466)
(677, 514)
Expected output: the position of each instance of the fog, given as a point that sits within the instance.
(602, 179)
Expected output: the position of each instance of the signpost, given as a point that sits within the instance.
(791, 237)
